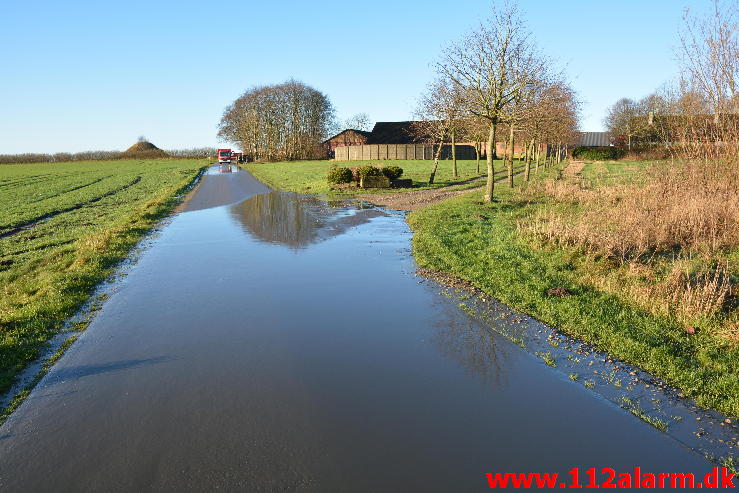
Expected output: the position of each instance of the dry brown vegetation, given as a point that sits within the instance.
(673, 235)
(693, 208)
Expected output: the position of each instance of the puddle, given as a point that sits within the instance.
(269, 341)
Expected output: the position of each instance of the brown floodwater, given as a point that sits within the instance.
(268, 341)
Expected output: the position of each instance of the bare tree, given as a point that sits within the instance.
(709, 55)
(438, 117)
(360, 121)
(698, 115)
(284, 121)
(709, 52)
(524, 104)
(490, 67)
(476, 130)
(620, 118)
(551, 121)
(453, 110)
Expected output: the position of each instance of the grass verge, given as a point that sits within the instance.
(63, 230)
(310, 176)
(482, 245)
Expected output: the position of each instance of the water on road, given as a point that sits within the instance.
(269, 341)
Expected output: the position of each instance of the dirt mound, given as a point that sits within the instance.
(144, 149)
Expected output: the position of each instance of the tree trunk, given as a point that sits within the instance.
(454, 153)
(529, 153)
(490, 185)
(538, 156)
(477, 151)
(437, 154)
(511, 144)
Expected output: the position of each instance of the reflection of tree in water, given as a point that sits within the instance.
(471, 345)
(296, 220)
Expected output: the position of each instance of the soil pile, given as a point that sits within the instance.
(143, 150)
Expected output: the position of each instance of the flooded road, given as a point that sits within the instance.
(282, 343)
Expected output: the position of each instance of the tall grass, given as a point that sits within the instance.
(690, 207)
(674, 231)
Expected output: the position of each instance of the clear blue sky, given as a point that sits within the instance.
(78, 75)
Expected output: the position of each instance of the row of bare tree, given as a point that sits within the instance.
(279, 122)
(35, 157)
(698, 114)
(60, 157)
(496, 78)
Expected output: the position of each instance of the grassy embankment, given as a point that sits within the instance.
(63, 229)
(310, 176)
(649, 253)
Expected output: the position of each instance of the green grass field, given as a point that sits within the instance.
(481, 244)
(63, 229)
(310, 176)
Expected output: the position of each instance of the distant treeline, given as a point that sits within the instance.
(60, 157)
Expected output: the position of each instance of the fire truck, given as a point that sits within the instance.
(224, 156)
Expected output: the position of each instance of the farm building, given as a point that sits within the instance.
(409, 133)
(593, 139)
(390, 140)
(407, 140)
(400, 151)
(348, 137)
(398, 133)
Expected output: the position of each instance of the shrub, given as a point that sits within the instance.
(360, 172)
(597, 153)
(338, 175)
(392, 172)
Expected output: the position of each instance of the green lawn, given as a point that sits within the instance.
(310, 176)
(480, 243)
(63, 229)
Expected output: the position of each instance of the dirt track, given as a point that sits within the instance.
(410, 201)
(418, 199)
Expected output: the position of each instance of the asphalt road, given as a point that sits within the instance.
(268, 341)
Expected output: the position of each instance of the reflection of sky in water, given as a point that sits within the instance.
(222, 168)
(297, 220)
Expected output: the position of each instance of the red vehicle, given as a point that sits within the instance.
(224, 156)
